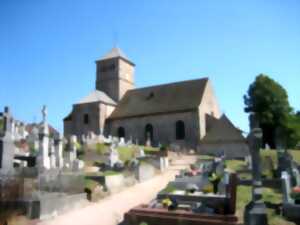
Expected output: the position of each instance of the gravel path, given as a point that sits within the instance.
(110, 210)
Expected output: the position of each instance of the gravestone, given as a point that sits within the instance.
(286, 186)
(113, 157)
(148, 141)
(141, 153)
(122, 142)
(59, 151)
(290, 209)
(71, 154)
(255, 212)
(7, 148)
(52, 155)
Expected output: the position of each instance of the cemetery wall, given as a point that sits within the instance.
(232, 150)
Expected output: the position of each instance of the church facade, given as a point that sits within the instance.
(174, 113)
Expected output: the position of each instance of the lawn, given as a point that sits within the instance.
(126, 153)
(269, 195)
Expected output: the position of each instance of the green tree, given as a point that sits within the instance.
(293, 130)
(269, 101)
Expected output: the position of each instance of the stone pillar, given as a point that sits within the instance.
(73, 147)
(255, 211)
(44, 160)
(52, 155)
(7, 149)
(286, 186)
(59, 151)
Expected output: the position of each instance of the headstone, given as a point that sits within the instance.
(52, 155)
(7, 148)
(78, 165)
(59, 151)
(141, 153)
(113, 157)
(148, 141)
(297, 176)
(255, 212)
(286, 186)
(122, 142)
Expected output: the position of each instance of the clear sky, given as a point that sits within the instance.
(48, 48)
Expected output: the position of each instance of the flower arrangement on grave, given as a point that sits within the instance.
(171, 204)
(215, 180)
(295, 194)
(207, 189)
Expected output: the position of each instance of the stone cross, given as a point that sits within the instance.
(7, 120)
(255, 212)
(44, 113)
(254, 140)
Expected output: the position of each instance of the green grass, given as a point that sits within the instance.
(126, 153)
(269, 195)
(110, 173)
(90, 184)
(1, 125)
(236, 165)
(205, 157)
(296, 155)
(168, 189)
(101, 148)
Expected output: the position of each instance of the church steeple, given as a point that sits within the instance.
(115, 74)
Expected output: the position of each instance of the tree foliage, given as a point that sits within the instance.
(293, 130)
(269, 101)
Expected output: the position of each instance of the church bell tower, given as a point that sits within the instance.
(115, 74)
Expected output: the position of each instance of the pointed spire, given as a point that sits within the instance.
(115, 52)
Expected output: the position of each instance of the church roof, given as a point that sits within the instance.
(167, 98)
(97, 96)
(115, 53)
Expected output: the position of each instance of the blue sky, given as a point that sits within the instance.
(48, 48)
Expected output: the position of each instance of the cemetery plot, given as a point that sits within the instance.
(206, 194)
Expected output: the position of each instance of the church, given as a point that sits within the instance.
(183, 113)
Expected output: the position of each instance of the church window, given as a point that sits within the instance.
(86, 118)
(121, 132)
(151, 95)
(180, 130)
(149, 132)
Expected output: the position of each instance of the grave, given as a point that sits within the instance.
(7, 148)
(255, 212)
(193, 209)
(290, 207)
(145, 171)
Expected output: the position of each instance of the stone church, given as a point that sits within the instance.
(181, 113)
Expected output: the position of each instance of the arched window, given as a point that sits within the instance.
(149, 132)
(121, 132)
(86, 118)
(180, 130)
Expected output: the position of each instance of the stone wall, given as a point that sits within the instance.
(97, 113)
(164, 128)
(115, 77)
(231, 149)
(209, 105)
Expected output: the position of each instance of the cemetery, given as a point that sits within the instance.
(56, 175)
(52, 174)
